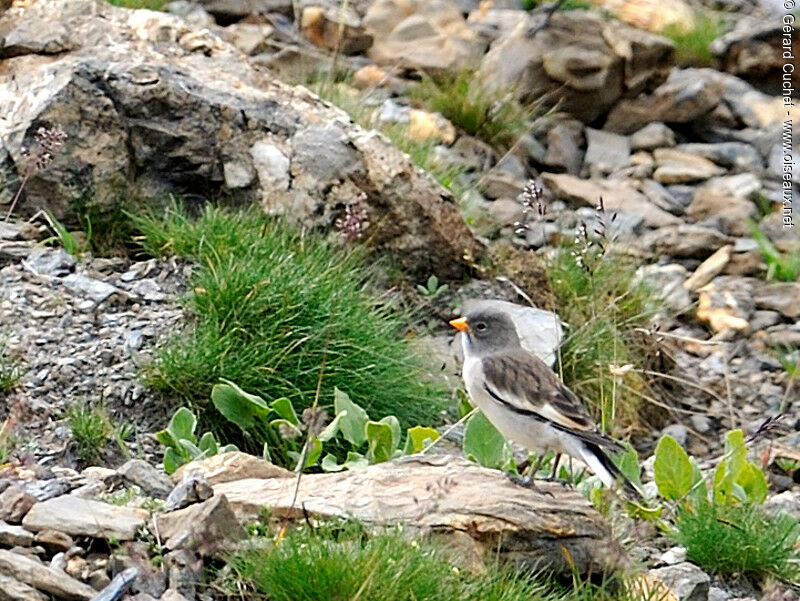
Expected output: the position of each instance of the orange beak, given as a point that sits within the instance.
(460, 324)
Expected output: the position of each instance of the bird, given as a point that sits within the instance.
(525, 400)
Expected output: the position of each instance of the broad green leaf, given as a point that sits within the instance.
(332, 428)
(228, 448)
(166, 438)
(673, 470)
(418, 438)
(355, 461)
(243, 409)
(484, 444)
(730, 468)
(182, 425)
(190, 450)
(329, 464)
(379, 436)
(394, 424)
(753, 482)
(314, 452)
(628, 464)
(284, 408)
(276, 423)
(723, 487)
(699, 492)
(464, 406)
(208, 445)
(352, 425)
(172, 461)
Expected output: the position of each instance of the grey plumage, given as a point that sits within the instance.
(524, 399)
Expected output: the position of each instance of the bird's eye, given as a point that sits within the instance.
(480, 326)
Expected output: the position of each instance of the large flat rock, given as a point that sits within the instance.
(32, 572)
(444, 494)
(76, 516)
(153, 107)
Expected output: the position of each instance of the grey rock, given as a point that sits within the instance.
(193, 488)
(783, 297)
(95, 290)
(152, 481)
(10, 231)
(653, 135)
(208, 528)
(172, 595)
(678, 431)
(15, 536)
(737, 155)
(684, 241)
(149, 290)
(117, 587)
(34, 573)
(76, 517)
(563, 147)
(15, 503)
(14, 590)
(234, 10)
(50, 262)
(185, 570)
(667, 282)
(674, 166)
(685, 580)
(606, 151)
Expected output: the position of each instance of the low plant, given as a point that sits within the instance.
(784, 267)
(92, 430)
(494, 116)
(182, 445)
(718, 518)
(365, 441)
(284, 314)
(136, 4)
(10, 372)
(432, 288)
(63, 237)
(692, 43)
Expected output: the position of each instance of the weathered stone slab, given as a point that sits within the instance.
(76, 516)
(30, 571)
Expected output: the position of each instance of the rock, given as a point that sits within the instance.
(192, 488)
(32, 572)
(14, 536)
(606, 151)
(667, 282)
(652, 15)
(736, 155)
(653, 135)
(709, 269)
(172, 595)
(783, 297)
(726, 304)
(617, 196)
(678, 431)
(95, 290)
(688, 94)
(439, 492)
(227, 11)
(336, 28)
(54, 541)
(14, 504)
(564, 146)
(733, 212)
(50, 262)
(231, 466)
(539, 331)
(582, 61)
(685, 581)
(684, 241)
(152, 481)
(677, 167)
(83, 517)
(208, 528)
(144, 124)
(115, 588)
(14, 590)
(185, 570)
(416, 34)
(250, 38)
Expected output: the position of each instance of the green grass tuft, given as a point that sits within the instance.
(603, 311)
(149, 4)
(497, 118)
(692, 46)
(91, 430)
(740, 540)
(283, 313)
(10, 372)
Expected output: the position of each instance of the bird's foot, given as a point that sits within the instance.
(526, 482)
(562, 481)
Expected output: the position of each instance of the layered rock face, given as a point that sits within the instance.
(152, 106)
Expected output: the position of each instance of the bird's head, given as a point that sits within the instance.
(488, 331)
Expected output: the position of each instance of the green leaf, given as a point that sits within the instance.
(394, 424)
(699, 491)
(329, 464)
(228, 448)
(237, 406)
(172, 461)
(673, 470)
(418, 438)
(166, 438)
(332, 428)
(730, 468)
(208, 445)
(284, 408)
(313, 453)
(628, 464)
(182, 425)
(484, 444)
(753, 483)
(379, 436)
(352, 424)
(355, 461)
(276, 423)
(190, 450)
(463, 406)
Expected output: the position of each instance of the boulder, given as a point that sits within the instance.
(207, 528)
(783, 297)
(545, 525)
(152, 481)
(83, 517)
(14, 536)
(422, 34)
(674, 166)
(34, 573)
(581, 60)
(688, 94)
(14, 504)
(149, 104)
(684, 241)
(14, 590)
(684, 581)
(230, 466)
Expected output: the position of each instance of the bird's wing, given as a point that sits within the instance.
(524, 384)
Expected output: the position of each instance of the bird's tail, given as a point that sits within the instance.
(606, 470)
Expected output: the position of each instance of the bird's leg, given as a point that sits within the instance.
(554, 473)
(528, 478)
